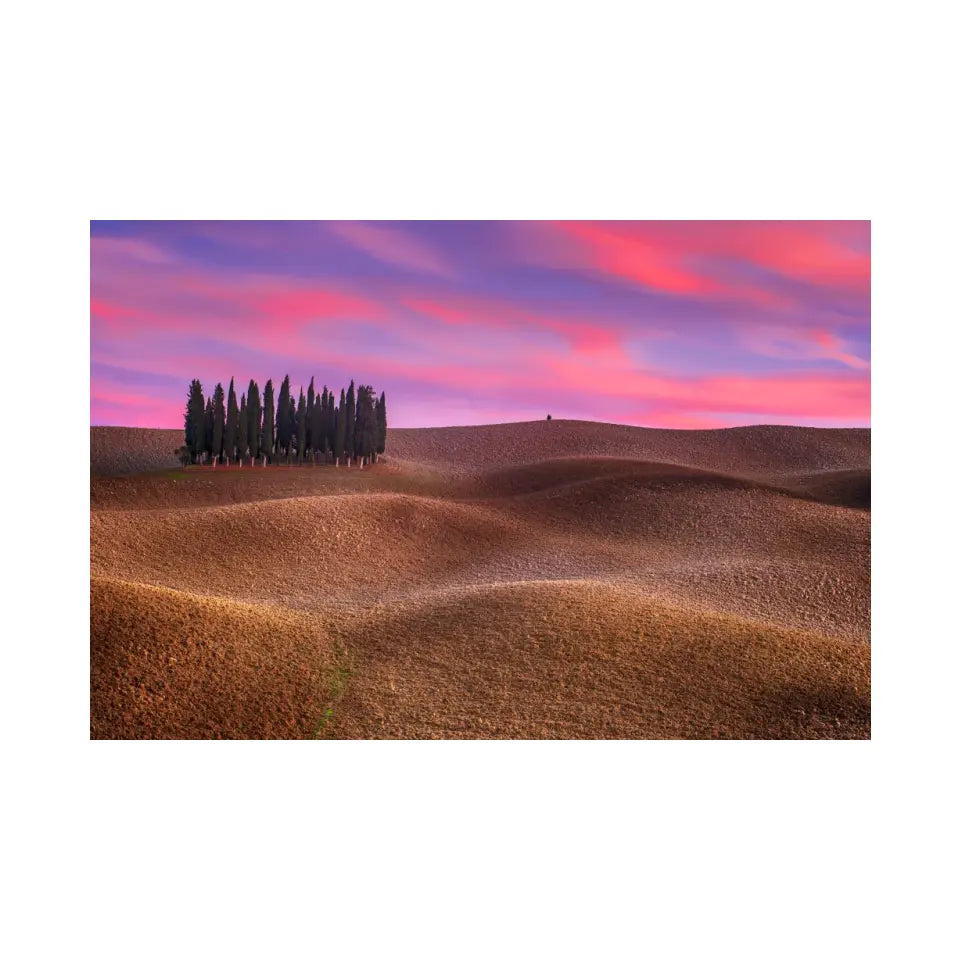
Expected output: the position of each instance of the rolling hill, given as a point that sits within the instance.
(548, 579)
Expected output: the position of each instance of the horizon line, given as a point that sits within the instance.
(506, 423)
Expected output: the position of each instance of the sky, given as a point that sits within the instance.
(661, 323)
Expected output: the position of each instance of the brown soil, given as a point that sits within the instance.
(173, 665)
(118, 450)
(558, 579)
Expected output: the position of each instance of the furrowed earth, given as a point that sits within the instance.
(559, 579)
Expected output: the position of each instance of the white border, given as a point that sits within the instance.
(739, 110)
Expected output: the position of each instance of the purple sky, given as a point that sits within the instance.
(666, 323)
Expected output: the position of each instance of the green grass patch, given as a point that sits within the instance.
(337, 676)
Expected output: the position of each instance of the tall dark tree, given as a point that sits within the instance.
(301, 416)
(331, 424)
(317, 422)
(292, 424)
(366, 439)
(311, 399)
(340, 428)
(219, 418)
(208, 428)
(233, 418)
(356, 423)
(254, 412)
(193, 421)
(242, 434)
(351, 423)
(283, 431)
(268, 420)
(382, 423)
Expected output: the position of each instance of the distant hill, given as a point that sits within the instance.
(755, 452)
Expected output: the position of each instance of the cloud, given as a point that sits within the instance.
(658, 323)
(831, 348)
(755, 263)
(799, 343)
(393, 246)
(128, 250)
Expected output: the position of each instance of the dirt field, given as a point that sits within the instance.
(552, 579)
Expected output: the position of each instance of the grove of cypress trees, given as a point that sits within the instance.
(193, 421)
(268, 420)
(382, 423)
(312, 425)
(233, 417)
(219, 416)
(351, 423)
(253, 420)
(301, 418)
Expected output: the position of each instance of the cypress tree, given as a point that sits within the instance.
(233, 416)
(242, 429)
(359, 422)
(193, 421)
(253, 420)
(331, 424)
(301, 416)
(382, 423)
(283, 434)
(208, 428)
(268, 420)
(356, 424)
(351, 423)
(219, 415)
(311, 399)
(366, 439)
(340, 428)
(188, 418)
(317, 424)
(292, 425)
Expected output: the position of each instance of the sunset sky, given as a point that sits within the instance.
(665, 324)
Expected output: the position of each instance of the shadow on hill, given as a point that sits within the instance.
(613, 476)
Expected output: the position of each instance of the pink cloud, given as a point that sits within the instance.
(393, 246)
(582, 335)
(128, 249)
(831, 348)
(689, 260)
(799, 343)
(609, 250)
